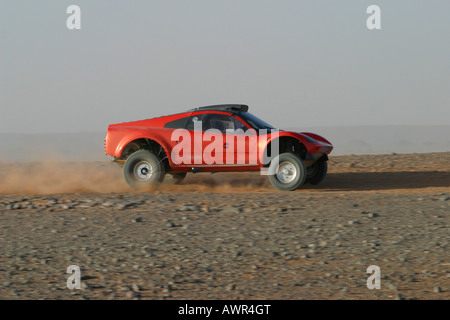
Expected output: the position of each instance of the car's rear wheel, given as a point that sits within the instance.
(316, 172)
(290, 173)
(175, 177)
(142, 169)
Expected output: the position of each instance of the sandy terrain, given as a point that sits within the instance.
(228, 236)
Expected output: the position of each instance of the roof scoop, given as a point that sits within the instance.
(223, 107)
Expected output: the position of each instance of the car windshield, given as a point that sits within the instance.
(255, 122)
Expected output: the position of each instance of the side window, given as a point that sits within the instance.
(177, 124)
(218, 121)
(193, 119)
(239, 125)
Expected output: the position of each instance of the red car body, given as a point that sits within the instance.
(158, 133)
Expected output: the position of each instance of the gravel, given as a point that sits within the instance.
(159, 248)
(314, 243)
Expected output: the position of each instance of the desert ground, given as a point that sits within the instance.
(227, 236)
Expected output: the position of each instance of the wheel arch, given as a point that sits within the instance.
(125, 149)
(287, 144)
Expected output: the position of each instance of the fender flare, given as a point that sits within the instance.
(122, 144)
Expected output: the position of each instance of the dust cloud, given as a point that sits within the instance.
(345, 173)
(53, 177)
(49, 177)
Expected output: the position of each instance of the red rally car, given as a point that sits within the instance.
(218, 138)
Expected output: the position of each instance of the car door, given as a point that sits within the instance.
(240, 145)
(215, 126)
(217, 142)
(235, 140)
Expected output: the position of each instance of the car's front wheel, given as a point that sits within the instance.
(290, 173)
(142, 169)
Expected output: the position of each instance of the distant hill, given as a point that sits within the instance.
(88, 146)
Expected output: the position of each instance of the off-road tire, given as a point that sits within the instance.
(317, 172)
(143, 169)
(290, 174)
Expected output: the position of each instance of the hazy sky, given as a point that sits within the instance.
(295, 63)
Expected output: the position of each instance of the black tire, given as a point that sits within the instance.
(290, 174)
(143, 169)
(175, 177)
(317, 172)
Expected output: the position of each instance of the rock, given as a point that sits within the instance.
(231, 209)
(437, 289)
(392, 286)
(230, 287)
(135, 287)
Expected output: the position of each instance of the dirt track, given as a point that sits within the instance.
(228, 236)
